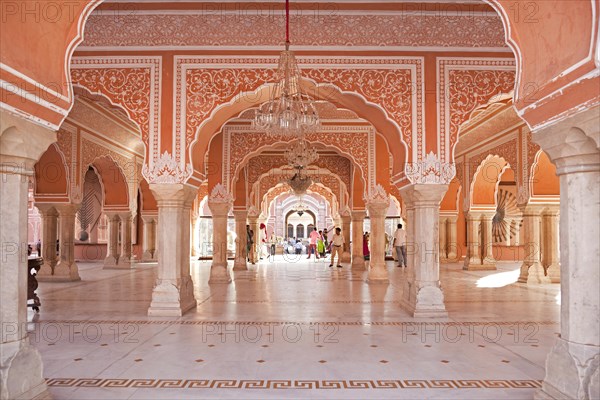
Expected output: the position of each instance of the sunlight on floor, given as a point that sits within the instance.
(500, 279)
(558, 298)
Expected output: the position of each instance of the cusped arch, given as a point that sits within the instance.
(543, 181)
(371, 112)
(51, 176)
(114, 183)
(484, 185)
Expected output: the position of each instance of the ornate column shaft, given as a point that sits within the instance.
(358, 259)
(573, 146)
(112, 251)
(346, 256)
(551, 249)
(239, 263)
(194, 236)
(488, 261)
(125, 257)
(21, 145)
(220, 202)
(442, 238)
(378, 205)
(66, 270)
(453, 253)
(473, 257)
(149, 222)
(516, 239)
(173, 293)
(425, 297)
(49, 237)
(532, 270)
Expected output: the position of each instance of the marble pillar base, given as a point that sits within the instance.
(572, 372)
(346, 257)
(533, 274)
(170, 299)
(46, 270)
(358, 263)
(110, 262)
(377, 274)
(240, 265)
(476, 265)
(553, 273)
(62, 273)
(147, 256)
(424, 301)
(21, 371)
(219, 274)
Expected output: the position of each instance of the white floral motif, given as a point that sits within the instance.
(167, 170)
(378, 195)
(430, 170)
(220, 194)
(76, 194)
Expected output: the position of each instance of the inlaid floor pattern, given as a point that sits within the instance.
(295, 330)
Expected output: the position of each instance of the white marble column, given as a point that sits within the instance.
(125, 256)
(425, 297)
(21, 144)
(378, 205)
(173, 293)
(442, 238)
(66, 270)
(473, 256)
(550, 234)
(532, 270)
(572, 366)
(453, 253)
(516, 239)
(195, 250)
(239, 263)
(49, 235)
(358, 258)
(148, 244)
(346, 256)
(112, 250)
(488, 260)
(218, 269)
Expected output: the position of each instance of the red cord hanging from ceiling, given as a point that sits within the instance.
(287, 21)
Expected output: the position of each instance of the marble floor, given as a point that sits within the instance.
(295, 329)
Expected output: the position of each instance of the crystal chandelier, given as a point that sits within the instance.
(300, 207)
(289, 112)
(300, 182)
(301, 154)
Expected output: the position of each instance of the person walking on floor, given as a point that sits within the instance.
(337, 245)
(400, 245)
(312, 246)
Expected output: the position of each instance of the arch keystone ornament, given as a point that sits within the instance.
(219, 202)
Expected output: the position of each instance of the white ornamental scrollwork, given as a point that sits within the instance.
(76, 194)
(167, 170)
(430, 170)
(378, 195)
(220, 194)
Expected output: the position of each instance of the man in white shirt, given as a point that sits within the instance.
(337, 246)
(400, 245)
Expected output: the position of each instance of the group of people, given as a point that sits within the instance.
(319, 245)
